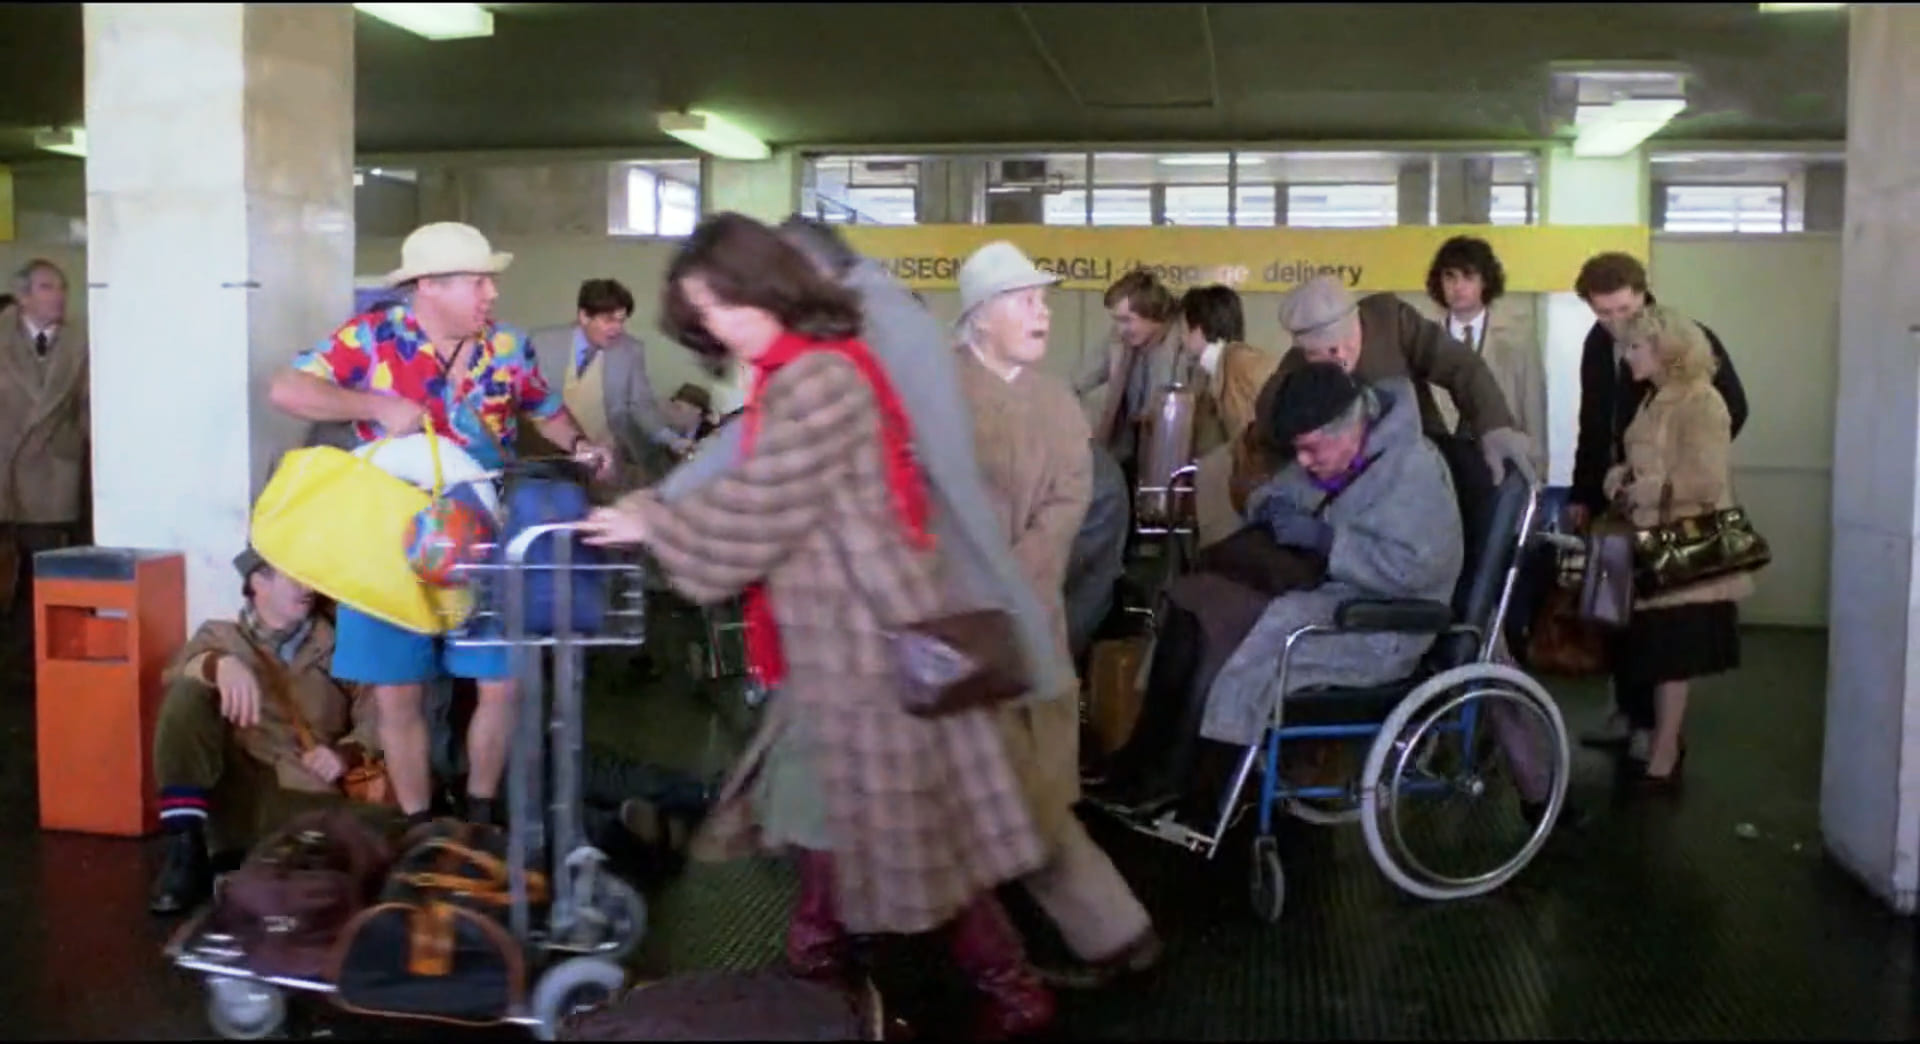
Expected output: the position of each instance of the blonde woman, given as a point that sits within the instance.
(1031, 441)
(1677, 463)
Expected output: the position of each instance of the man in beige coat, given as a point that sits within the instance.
(1031, 445)
(44, 424)
(1466, 279)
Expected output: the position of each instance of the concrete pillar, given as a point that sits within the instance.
(241, 244)
(1870, 779)
(1463, 189)
(1825, 209)
(767, 190)
(1575, 191)
(1416, 193)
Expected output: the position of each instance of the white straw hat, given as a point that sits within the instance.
(995, 269)
(446, 248)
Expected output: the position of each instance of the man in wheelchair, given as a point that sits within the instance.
(1372, 498)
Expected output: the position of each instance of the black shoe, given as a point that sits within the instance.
(186, 873)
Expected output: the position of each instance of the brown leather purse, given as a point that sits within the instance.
(952, 663)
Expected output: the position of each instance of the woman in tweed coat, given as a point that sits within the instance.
(923, 818)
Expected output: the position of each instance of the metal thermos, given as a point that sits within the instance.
(1168, 448)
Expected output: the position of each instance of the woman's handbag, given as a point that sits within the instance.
(952, 663)
(338, 524)
(1682, 552)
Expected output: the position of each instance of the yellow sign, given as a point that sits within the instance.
(6, 205)
(1537, 258)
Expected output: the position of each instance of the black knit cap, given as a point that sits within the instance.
(1309, 399)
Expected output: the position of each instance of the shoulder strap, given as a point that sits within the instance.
(280, 689)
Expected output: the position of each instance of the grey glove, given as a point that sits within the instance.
(1509, 446)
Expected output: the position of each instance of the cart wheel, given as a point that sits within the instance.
(625, 910)
(575, 984)
(1267, 880)
(241, 1009)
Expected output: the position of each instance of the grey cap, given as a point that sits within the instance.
(1312, 312)
(995, 269)
(248, 562)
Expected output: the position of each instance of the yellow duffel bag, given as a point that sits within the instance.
(338, 524)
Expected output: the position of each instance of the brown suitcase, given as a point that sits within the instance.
(288, 903)
(1116, 676)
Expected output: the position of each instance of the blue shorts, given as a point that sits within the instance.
(373, 652)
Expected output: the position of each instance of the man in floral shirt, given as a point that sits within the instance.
(439, 357)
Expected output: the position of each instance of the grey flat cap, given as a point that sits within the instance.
(1312, 312)
(248, 562)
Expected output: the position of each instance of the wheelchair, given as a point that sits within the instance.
(1431, 734)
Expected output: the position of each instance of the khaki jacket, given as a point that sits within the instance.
(1225, 410)
(337, 714)
(1514, 360)
(44, 424)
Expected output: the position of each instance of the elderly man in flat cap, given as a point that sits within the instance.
(1381, 337)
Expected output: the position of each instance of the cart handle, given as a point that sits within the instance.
(518, 547)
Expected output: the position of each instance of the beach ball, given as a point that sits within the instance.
(446, 535)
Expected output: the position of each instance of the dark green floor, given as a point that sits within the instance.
(1660, 921)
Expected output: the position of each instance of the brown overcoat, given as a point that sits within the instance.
(1031, 442)
(43, 423)
(924, 814)
(1679, 450)
(1395, 341)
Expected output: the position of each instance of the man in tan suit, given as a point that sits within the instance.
(43, 425)
(1466, 279)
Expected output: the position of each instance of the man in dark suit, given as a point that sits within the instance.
(1615, 286)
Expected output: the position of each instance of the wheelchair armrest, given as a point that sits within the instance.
(1394, 615)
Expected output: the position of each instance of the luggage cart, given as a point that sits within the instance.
(594, 919)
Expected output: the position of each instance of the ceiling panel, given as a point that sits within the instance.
(582, 75)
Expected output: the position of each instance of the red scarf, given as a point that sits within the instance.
(764, 655)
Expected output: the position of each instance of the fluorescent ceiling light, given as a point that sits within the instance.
(1777, 8)
(713, 135)
(1206, 159)
(434, 21)
(1619, 128)
(72, 141)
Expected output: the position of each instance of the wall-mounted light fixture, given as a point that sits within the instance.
(434, 21)
(713, 135)
(67, 141)
(1619, 127)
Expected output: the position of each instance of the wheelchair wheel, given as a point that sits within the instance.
(1435, 746)
(1267, 880)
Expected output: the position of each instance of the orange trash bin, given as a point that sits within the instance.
(105, 623)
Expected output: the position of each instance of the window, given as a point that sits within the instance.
(1724, 208)
(1255, 205)
(1511, 205)
(1343, 206)
(865, 190)
(656, 198)
(1122, 206)
(1196, 205)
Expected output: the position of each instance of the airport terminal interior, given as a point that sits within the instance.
(222, 185)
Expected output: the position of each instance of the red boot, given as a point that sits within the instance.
(990, 951)
(816, 944)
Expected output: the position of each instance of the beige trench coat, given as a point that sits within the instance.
(924, 814)
(43, 424)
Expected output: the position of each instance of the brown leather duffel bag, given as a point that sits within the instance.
(286, 904)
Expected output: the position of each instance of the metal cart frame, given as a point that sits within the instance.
(594, 918)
